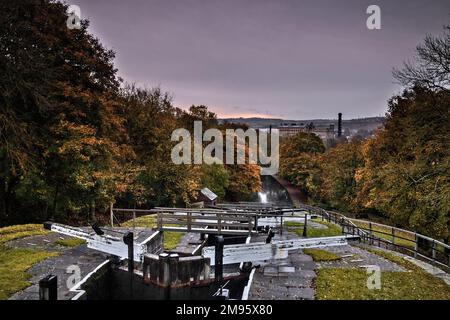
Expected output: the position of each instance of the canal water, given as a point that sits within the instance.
(272, 191)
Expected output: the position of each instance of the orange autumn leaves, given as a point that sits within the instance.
(401, 173)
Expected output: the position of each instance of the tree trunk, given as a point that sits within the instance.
(92, 211)
(8, 192)
(55, 204)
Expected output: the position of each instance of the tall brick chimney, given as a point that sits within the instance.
(339, 124)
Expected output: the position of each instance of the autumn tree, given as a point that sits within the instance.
(407, 164)
(73, 141)
(58, 92)
(150, 121)
(216, 178)
(337, 182)
(298, 160)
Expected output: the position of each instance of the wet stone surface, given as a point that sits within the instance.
(287, 279)
(355, 257)
(82, 257)
(77, 257)
(188, 243)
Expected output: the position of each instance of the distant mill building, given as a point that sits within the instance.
(292, 128)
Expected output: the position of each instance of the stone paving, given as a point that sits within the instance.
(355, 257)
(82, 257)
(437, 272)
(188, 243)
(287, 279)
(293, 278)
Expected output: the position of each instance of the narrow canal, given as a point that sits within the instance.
(272, 191)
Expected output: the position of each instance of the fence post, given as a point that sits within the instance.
(343, 225)
(393, 235)
(281, 229)
(160, 224)
(111, 213)
(433, 250)
(370, 233)
(416, 245)
(305, 226)
(189, 221)
(219, 223)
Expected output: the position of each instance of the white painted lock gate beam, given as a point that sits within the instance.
(260, 251)
(104, 243)
(237, 253)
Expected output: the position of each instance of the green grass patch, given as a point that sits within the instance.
(351, 284)
(321, 255)
(20, 231)
(331, 230)
(70, 242)
(14, 264)
(142, 222)
(171, 238)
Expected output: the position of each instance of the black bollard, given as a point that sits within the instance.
(48, 288)
(218, 258)
(270, 236)
(128, 239)
(305, 226)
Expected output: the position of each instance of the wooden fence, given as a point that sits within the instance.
(205, 221)
(392, 238)
(242, 219)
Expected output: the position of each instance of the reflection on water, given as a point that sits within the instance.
(262, 197)
(272, 191)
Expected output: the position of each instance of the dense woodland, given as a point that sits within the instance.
(75, 138)
(403, 172)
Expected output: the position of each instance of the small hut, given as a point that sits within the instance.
(208, 197)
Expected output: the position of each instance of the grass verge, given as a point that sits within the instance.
(171, 238)
(20, 231)
(70, 242)
(14, 263)
(331, 230)
(351, 284)
(321, 255)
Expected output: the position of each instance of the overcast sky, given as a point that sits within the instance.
(280, 58)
